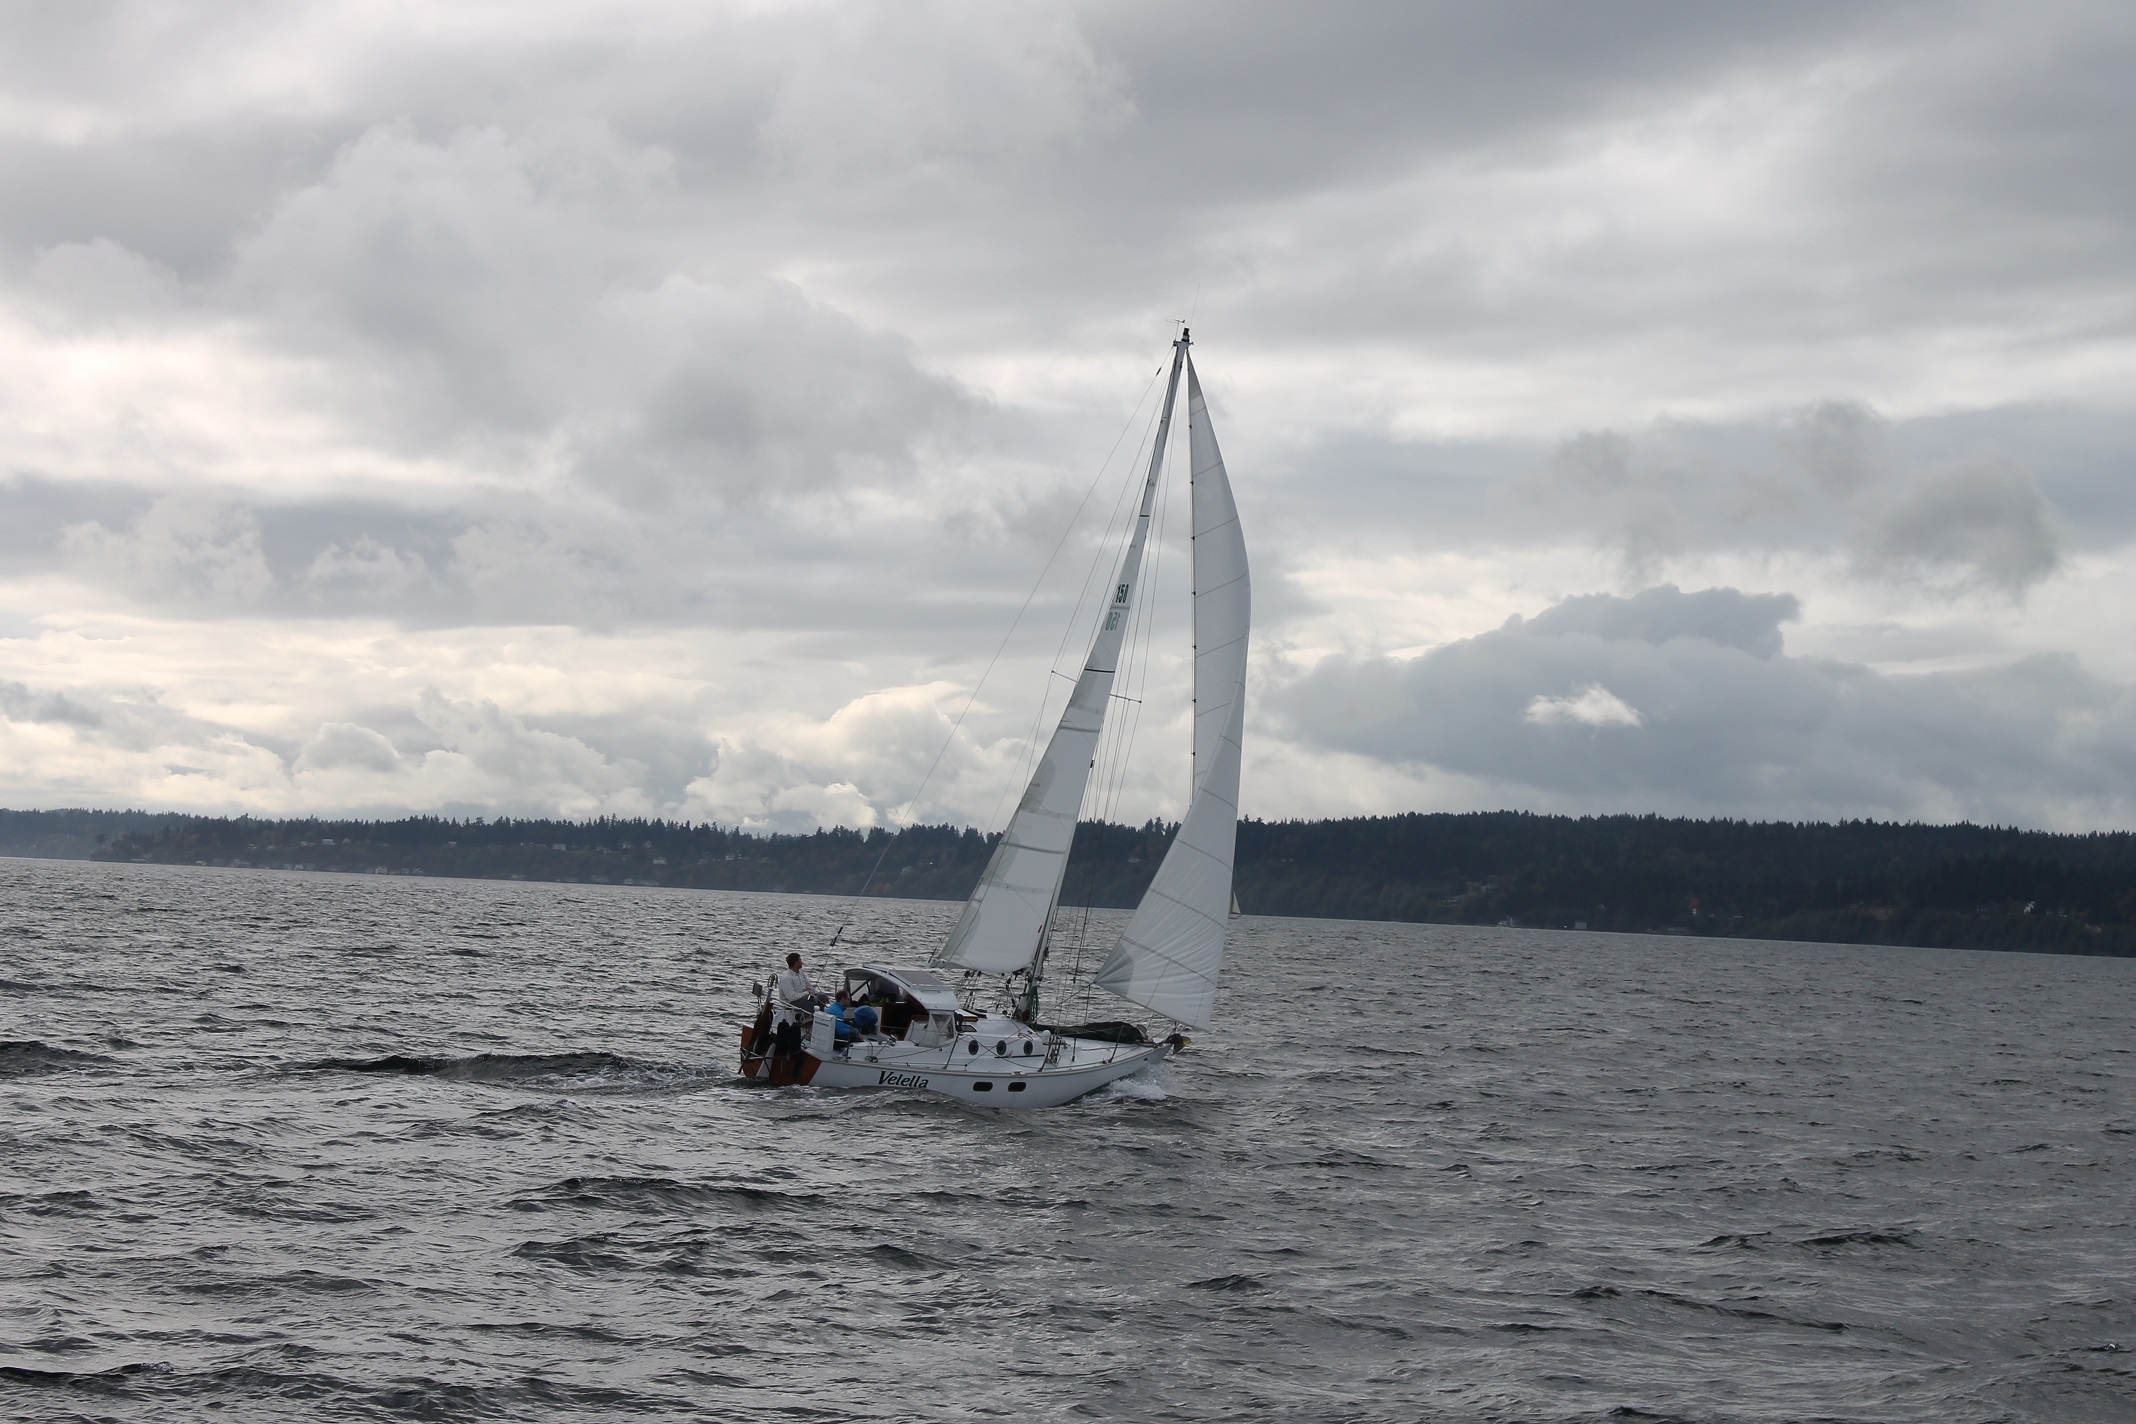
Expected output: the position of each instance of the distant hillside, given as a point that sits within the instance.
(71, 835)
(1858, 881)
(924, 862)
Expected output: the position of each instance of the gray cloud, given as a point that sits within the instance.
(1685, 702)
(338, 745)
(1935, 505)
(798, 330)
(182, 549)
(19, 703)
(1826, 479)
(1985, 524)
(457, 756)
(1917, 159)
(480, 294)
(1724, 617)
(129, 722)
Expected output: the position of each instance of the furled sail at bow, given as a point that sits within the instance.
(1168, 958)
(1004, 923)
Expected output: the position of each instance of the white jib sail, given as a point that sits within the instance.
(1168, 958)
(1004, 922)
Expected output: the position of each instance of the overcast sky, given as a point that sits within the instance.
(664, 408)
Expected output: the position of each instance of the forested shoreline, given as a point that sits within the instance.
(1862, 882)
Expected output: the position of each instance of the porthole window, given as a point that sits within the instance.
(1001, 1048)
(972, 1047)
(1029, 1048)
(982, 1086)
(1018, 1087)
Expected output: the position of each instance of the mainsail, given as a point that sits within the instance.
(1168, 957)
(1003, 926)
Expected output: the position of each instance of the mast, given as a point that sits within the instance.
(1005, 923)
(1168, 958)
(1028, 1010)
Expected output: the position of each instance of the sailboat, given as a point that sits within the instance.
(968, 1023)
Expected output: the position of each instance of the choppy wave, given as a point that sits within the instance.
(1552, 1177)
(579, 1072)
(252, 1388)
(21, 1058)
(658, 1194)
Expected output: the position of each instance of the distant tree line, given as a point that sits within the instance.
(1864, 882)
(920, 862)
(1860, 882)
(70, 835)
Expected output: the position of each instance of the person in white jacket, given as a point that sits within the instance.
(791, 992)
(792, 996)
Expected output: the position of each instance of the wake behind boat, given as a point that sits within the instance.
(968, 1024)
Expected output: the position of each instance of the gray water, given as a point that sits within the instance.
(1414, 1173)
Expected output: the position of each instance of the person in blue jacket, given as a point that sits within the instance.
(854, 1020)
(841, 1009)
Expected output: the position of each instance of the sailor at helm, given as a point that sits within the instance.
(792, 995)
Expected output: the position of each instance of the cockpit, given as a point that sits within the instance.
(915, 1006)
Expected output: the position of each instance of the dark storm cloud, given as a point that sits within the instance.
(1685, 702)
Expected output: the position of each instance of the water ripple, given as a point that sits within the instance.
(302, 1146)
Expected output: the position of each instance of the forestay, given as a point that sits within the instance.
(1004, 922)
(1168, 958)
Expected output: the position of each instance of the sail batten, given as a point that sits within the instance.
(1002, 929)
(1168, 958)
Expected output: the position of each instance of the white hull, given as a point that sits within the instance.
(984, 1080)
